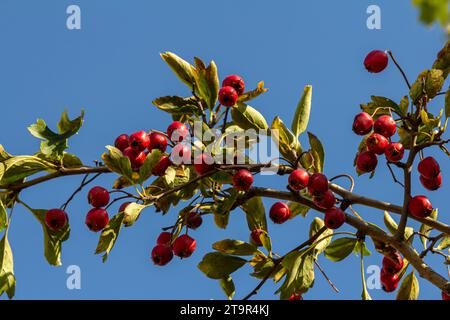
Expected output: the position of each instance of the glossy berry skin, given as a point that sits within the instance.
(180, 154)
(279, 213)
(318, 184)
(123, 206)
(164, 238)
(429, 168)
(296, 296)
(194, 220)
(97, 219)
(376, 61)
(203, 163)
(298, 179)
(420, 207)
(161, 255)
(431, 184)
(445, 296)
(160, 168)
(362, 124)
(377, 143)
(394, 152)
(184, 246)
(139, 141)
(236, 82)
(137, 158)
(255, 237)
(98, 197)
(177, 131)
(228, 96)
(242, 180)
(334, 218)
(157, 141)
(389, 282)
(326, 200)
(122, 142)
(393, 264)
(56, 219)
(385, 125)
(366, 161)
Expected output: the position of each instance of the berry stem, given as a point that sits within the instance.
(399, 68)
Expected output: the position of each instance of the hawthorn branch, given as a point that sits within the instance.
(84, 182)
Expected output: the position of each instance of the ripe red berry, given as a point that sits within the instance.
(139, 141)
(137, 158)
(184, 246)
(228, 96)
(389, 281)
(157, 141)
(362, 124)
(164, 238)
(181, 154)
(334, 218)
(123, 206)
(203, 163)
(366, 161)
(161, 255)
(445, 296)
(318, 184)
(296, 296)
(394, 152)
(429, 168)
(56, 219)
(280, 212)
(242, 180)
(255, 237)
(377, 143)
(431, 184)
(160, 168)
(385, 125)
(236, 82)
(194, 220)
(376, 61)
(98, 197)
(393, 264)
(177, 131)
(325, 200)
(122, 142)
(420, 207)
(298, 179)
(97, 219)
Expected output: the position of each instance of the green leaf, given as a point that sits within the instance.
(235, 247)
(151, 160)
(228, 287)
(317, 151)
(183, 69)
(390, 223)
(380, 106)
(109, 235)
(425, 230)
(403, 106)
(361, 248)
(71, 161)
(299, 273)
(222, 210)
(207, 82)
(431, 11)
(178, 105)
(297, 209)
(444, 244)
(340, 248)
(216, 265)
(255, 213)
(7, 278)
(428, 81)
(117, 162)
(250, 95)
(447, 104)
(287, 142)
(443, 58)
(3, 216)
(409, 289)
(15, 169)
(248, 117)
(132, 212)
(324, 240)
(301, 117)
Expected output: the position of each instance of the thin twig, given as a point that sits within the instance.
(399, 68)
(393, 174)
(325, 276)
(83, 183)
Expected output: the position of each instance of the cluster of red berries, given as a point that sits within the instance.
(232, 87)
(97, 218)
(392, 265)
(163, 252)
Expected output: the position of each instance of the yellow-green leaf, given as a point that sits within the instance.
(301, 117)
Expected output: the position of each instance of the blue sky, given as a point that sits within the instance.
(112, 69)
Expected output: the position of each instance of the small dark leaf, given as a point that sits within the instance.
(409, 289)
(109, 235)
(228, 287)
(216, 265)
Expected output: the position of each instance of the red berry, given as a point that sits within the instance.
(280, 212)
(157, 141)
(377, 143)
(394, 152)
(296, 296)
(236, 82)
(177, 131)
(137, 158)
(181, 154)
(161, 255)
(160, 168)
(194, 220)
(429, 168)
(56, 219)
(420, 207)
(376, 61)
(122, 142)
(164, 238)
(139, 141)
(298, 179)
(326, 200)
(334, 218)
(389, 281)
(431, 184)
(255, 237)
(385, 125)
(97, 219)
(98, 197)
(203, 163)
(123, 206)
(318, 184)
(362, 124)
(242, 180)
(228, 96)
(184, 246)
(393, 264)
(445, 296)
(366, 162)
